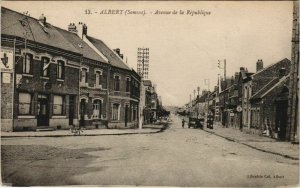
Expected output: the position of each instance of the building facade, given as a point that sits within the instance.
(46, 73)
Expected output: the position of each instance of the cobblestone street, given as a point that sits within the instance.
(175, 157)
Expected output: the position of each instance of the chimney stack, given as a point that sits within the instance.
(117, 50)
(282, 72)
(72, 28)
(81, 30)
(259, 65)
(42, 20)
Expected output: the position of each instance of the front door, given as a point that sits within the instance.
(126, 115)
(71, 109)
(281, 118)
(43, 111)
(82, 111)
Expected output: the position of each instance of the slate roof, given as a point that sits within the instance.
(16, 24)
(266, 68)
(269, 87)
(81, 46)
(112, 57)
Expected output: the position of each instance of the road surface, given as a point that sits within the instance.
(175, 157)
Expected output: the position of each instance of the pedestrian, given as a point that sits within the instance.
(183, 121)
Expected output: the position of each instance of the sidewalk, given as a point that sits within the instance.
(92, 132)
(261, 143)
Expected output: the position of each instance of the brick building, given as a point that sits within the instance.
(269, 107)
(93, 80)
(122, 106)
(62, 77)
(255, 83)
(46, 87)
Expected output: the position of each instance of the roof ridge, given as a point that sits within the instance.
(269, 66)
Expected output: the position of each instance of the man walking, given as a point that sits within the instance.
(183, 121)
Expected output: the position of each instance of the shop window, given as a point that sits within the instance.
(115, 111)
(117, 83)
(25, 103)
(60, 69)
(97, 109)
(57, 105)
(27, 64)
(45, 63)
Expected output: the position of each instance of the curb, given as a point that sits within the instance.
(253, 147)
(105, 134)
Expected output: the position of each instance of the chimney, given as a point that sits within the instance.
(282, 72)
(122, 56)
(216, 88)
(81, 30)
(42, 20)
(84, 30)
(259, 65)
(72, 28)
(117, 50)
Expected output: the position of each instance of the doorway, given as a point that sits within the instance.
(43, 111)
(82, 111)
(126, 115)
(71, 109)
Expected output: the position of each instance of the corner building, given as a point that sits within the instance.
(46, 73)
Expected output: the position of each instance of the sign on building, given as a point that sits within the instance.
(7, 59)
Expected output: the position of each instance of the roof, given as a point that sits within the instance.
(267, 67)
(81, 46)
(17, 24)
(269, 87)
(112, 57)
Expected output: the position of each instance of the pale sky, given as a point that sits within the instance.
(184, 49)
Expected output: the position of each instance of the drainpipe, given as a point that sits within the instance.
(107, 94)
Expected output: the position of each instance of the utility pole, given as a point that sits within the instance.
(293, 111)
(206, 82)
(224, 68)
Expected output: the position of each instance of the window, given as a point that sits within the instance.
(84, 75)
(97, 112)
(60, 69)
(45, 66)
(115, 111)
(127, 84)
(98, 78)
(24, 103)
(27, 64)
(117, 83)
(58, 105)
